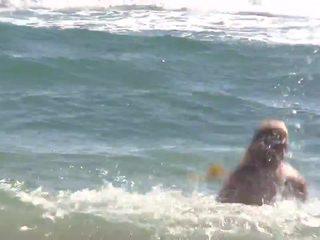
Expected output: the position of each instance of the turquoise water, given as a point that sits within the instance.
(108, 112)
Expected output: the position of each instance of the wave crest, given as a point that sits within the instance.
(285, 7)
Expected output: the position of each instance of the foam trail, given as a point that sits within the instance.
(172, 213)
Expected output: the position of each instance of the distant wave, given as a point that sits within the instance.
(208, 26)
(284, 7)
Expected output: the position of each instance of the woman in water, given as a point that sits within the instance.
(263, 173)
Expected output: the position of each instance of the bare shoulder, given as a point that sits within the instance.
(288, 171)
(295, 183)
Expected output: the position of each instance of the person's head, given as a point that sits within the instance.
(268, 145)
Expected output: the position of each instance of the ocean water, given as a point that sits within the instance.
(109, 109)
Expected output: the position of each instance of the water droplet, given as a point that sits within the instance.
(309, 60)
(297, 125)
(25, 228)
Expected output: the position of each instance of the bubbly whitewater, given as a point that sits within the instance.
(112, 111)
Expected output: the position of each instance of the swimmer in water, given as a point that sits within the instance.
(263, 173)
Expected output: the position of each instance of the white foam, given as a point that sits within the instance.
(25, 228)
(285, 7)
(172, 213)
(265, 21)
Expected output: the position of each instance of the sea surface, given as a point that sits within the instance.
(112, 111)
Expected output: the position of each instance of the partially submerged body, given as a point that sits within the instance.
(252, 185)
(263, 175)
(249, 185)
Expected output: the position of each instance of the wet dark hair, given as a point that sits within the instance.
(267, 147)
(271, 137)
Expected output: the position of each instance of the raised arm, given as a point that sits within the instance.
(294, 183)
(296, 187)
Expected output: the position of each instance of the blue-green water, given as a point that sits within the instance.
(107, 113)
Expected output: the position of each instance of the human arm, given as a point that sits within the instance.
(295, 184)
